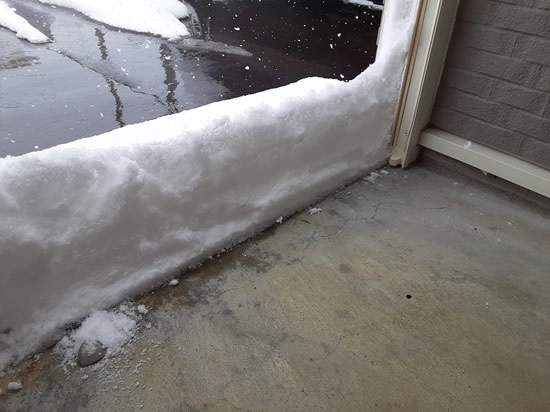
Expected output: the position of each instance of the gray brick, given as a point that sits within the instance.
(530, 125)
(477, 130)
(469, 82)
(535, 151)
(542, 81)
(476, 11)
(501, 67)
(521, 19)
(458, 55)
(533, 49)
(541, 4)
(526, 3)
(495, 89)
(520, 97)
(485, 38)
(473, 106)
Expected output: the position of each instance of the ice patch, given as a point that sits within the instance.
(198, 44)
(21, 27)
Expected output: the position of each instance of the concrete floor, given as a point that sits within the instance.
(314, 314)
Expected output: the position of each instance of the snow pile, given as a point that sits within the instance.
(368, 3)
(160, 17)
(113, 329)
(21, 27)
(90, 222)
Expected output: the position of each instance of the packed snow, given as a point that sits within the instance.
(88, 223)
(21, 27)
(112, 329)
(367, 3)
(159, 17)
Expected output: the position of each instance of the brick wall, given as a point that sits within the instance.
(495, 88)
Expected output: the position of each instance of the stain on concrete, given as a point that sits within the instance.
(344, 268)
(28, 372)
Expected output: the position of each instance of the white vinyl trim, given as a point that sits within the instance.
(489, 160)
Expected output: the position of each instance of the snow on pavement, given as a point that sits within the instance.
(159, 17)
(112, 329)
(21, 27)
(368, 3)
(88, 223)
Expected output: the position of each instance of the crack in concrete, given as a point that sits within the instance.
(220, 294)
(367, 219)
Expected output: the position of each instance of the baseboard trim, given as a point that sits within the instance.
(489, 160)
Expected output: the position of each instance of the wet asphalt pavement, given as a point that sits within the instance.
(94, 78)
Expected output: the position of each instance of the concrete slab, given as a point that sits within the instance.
(418, 291)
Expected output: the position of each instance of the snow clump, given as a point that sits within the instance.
(315, 211)
(142, 309)
(113, 329)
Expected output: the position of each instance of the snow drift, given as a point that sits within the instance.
(160, 17)
(88, 223)
(21, 27)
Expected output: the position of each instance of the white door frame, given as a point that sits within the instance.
(427, 58)
(426, 62)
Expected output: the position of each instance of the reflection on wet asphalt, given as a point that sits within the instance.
(93, 78)
(112, 87)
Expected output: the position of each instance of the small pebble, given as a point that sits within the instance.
(15, 386)
(174, 282)
(90, 353)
